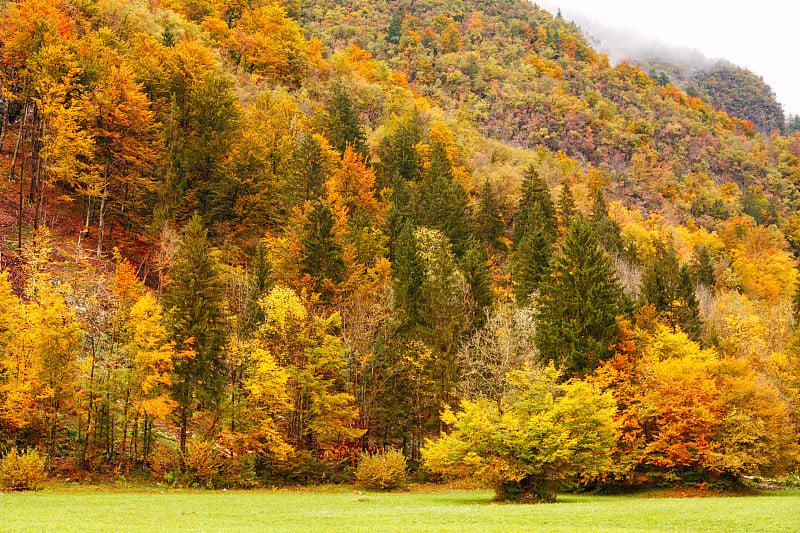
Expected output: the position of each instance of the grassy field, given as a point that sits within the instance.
(345, 509)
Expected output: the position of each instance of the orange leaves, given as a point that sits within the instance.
(272, 44)
(351, 188)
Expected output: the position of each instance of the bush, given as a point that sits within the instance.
(164, 462)
(240, 472)
(22, 471)
(202, 461)
(383, 471)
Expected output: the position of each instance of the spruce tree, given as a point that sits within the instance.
(322, 253)
(531, 264)
(341, 123)
(703, 268)
(686, 308)
(606, 228)
(476, 273)
(194, 298)
(670, 289)
(408, 271)
(578, 305)
(489, 223)
(566, 205)
(536, 208)
(441, 201)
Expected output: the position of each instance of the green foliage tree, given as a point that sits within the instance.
(566, 205)
(322, 253)
(441, 201)
(536, 208)
(490, 226)
(194, 299)
(605, 227)
(341, 123)
(475, 266)
(531, 263)
(408, 271)
(578, 305)
(670, 289)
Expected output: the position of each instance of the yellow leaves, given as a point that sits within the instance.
(544, 67)
(38, 355)
(272, 44)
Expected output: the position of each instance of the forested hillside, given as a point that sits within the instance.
(244, 241)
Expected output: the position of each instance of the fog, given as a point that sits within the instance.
(759, 36)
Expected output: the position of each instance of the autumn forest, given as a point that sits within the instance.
(246, 242)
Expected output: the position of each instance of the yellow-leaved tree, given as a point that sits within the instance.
(303, 344)
(540, 434)
(40, 341)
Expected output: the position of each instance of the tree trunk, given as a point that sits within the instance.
(101, 215)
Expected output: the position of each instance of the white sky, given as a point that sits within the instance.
(760, 35)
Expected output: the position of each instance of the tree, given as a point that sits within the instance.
(322, 253)
(670, 289)
(566, 205)
(578, 305)
(125, 138)
(304, 345)
(502, 345)
(194, 300)
(489, 224)
(536, 209)
(606, 228)
(441, 201)
(408, 272)
(531, 264)
(341, 123)
(475, 267)
(541, 435)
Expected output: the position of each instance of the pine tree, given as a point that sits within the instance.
(476, 272)
(341, 123)
(536, 208)
(322, 253)
(489, 223)
(703, 268)
(194, 298)
(578, 305)
(566, 205)
(441, 201)
(408, 271)
(687, 310)
(531, 264)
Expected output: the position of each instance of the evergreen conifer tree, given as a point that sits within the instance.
(489, 223)
(578, 305)
(441, 201)
(687, 310)
(408, 271)
(566, 205)
(194, 298)
(606, 228)
(476, 273)
(322, 253)
(703, 268)
(531, 264)
(342, 125)
(536, 208)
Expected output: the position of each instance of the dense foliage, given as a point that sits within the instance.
(247, 241)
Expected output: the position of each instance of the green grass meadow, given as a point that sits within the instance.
(345, 509)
